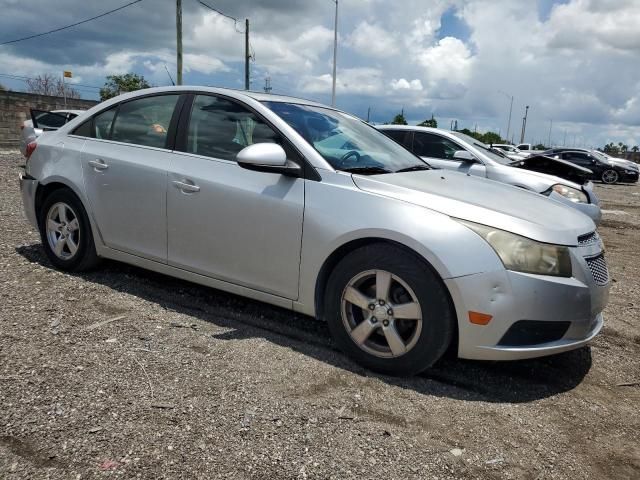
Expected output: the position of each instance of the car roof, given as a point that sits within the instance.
(77, 112)
(236, 93)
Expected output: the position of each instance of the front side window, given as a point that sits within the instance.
(345, 142)
(403, 137)
(434, 146)
(220, 128)
(144, 121)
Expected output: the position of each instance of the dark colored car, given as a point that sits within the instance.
(603, 169)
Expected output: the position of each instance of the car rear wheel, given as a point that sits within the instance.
(66, 232)
(609, 176)
(389, 310)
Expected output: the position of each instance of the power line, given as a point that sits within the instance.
(235, 20)
(72, 25)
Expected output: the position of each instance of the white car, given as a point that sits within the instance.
(514, 153)
(43, 121)
(528, 148)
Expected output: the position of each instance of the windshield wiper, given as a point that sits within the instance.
(415, 168)
(366, 170)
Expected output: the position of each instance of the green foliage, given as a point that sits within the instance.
(2, 87)
(539, 147)
(117, 84)
(432, 122)
(399, 120)
(635, 149)
(487, 137)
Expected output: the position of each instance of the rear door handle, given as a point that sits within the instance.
(98, 164)
(186, 187)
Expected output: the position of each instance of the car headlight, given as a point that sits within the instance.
(522, 254)
(570, 193)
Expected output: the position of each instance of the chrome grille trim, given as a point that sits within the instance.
(598, 268)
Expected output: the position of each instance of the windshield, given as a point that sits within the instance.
(347, 143)
(493, 154)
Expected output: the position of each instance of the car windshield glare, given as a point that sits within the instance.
(346, 142)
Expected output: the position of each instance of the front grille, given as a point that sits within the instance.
(588, 239)
(533, 332)
(598, 267)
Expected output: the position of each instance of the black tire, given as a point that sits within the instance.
(85, 257)
(438, 316)
(610, 176)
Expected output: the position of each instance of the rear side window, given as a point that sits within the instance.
(403, 137)
(84, 130)
(434, 146)
(220, 128)
(144, 121)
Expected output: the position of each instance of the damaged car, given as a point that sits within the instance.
(456, 151)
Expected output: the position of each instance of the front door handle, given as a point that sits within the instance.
(186, 187)
(98, 164)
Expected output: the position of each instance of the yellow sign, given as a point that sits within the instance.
(67, 74)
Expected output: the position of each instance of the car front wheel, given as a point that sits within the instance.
(66, 232)
(610, 176)
(389, 310)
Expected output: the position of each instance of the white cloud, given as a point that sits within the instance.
(363, 81)
(403, 84)
(372, 40)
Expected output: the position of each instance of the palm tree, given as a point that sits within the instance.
(635, 149)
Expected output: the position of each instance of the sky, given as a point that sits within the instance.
(576, 63)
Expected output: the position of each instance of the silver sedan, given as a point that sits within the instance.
(306, 207)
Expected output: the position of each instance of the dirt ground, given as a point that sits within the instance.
(125, 373)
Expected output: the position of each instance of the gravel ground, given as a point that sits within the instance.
(123, 372)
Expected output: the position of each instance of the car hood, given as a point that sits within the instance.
(483, 201)
(553, 166)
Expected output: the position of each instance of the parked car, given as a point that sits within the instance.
(43, 121)
(462, 153)
(603, 169)
(528, 148)
(306, 207)
(510, 151)
(628, 164)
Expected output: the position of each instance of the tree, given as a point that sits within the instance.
(635, 149)
(2, 87)
(490, 138)
(117, 84)
(399, 119)
(539, 147)
(48, 84)
(432, 122)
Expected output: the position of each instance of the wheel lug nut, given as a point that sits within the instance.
(374, 320)
(389, 312)
(372, 306)
(381, 302)
(385, 323)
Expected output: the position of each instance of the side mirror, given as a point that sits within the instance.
(464, 156)
(267, 157)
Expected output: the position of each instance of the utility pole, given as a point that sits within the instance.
(335, 53)
(550, 126)
(524, 123)
(179, 40)
(267, 85)
(368, 113)
(247, 55)
(510, 110)
(564, 140)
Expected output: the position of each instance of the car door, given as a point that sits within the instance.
(438, 151)
(582, 159)
(125, 163)
(227, 222)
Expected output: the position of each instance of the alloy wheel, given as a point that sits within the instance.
(381, 313)
(63, 231)
(609, 176)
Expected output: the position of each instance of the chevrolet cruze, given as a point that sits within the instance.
(306, 207)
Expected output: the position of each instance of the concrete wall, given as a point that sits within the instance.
(14, 109)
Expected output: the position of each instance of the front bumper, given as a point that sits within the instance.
(629, 177)
(28, 187)
(573, 304)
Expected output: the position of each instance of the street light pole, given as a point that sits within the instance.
(179, 41)
(550, 127)
(510, 110)
(524, 123)
(335, 53)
